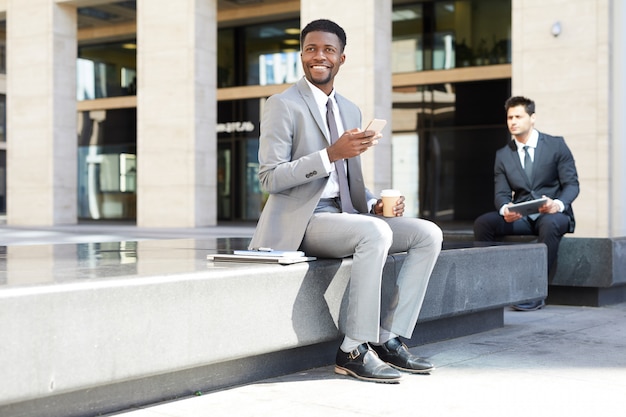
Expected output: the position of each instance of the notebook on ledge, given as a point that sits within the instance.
(262, 256)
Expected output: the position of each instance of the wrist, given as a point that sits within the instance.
(331, 155)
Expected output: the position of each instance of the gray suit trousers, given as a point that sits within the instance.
(369, 239)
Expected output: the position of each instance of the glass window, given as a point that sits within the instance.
(107, 175)
(3, 181)
(226, 58)
(239, 193)
(261, 54)
(3, 118)
(438, 35)
(273, 53)
(106, 70)
(3, 57)
(3, 48)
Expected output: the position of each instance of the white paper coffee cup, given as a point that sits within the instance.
(390, 198)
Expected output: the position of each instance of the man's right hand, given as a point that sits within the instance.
(352, 143)
(511, 216)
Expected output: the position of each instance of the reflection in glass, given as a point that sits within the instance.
(107, 175)
(279, 68)
(239, 194)
(3, 55)
(253, 195)
(260, 54)
(437, 35)
(3, 181)
(3, 155)
(270, 49)
(451, 132)
(106, 70)
(226, 58)
(224, 169)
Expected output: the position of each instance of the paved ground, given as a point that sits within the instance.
(559, 361)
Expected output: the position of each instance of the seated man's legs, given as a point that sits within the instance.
(422, 240)
(550, 229)
(491, 225)
(367, 239)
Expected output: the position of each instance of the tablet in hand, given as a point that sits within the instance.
(528, 207)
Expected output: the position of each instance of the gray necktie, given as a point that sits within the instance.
(528, 164)
(344, 189)
(528, 167)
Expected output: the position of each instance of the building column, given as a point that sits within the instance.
(176, 113)
(617, 128)
(41, 113)
(365, 77)
(561, 60)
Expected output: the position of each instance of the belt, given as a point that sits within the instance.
(334, 202)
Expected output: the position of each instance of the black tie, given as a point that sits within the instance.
(528, 164)
(344, 189)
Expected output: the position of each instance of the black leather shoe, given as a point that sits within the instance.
(530, 306)
(363, 363)
(396, 354)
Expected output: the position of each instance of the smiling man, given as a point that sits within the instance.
(309, 163)
(532, 165)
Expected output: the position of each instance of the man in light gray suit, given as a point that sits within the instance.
(318, 203)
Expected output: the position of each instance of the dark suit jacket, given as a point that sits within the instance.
(554, 175)
(290, 168)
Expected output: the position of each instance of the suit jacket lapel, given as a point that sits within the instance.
(515, 161)
(309, 100)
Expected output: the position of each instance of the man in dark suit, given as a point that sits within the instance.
(532, 165)
(318, 203)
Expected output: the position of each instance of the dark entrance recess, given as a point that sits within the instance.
(457, 150)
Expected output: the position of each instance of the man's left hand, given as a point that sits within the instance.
(398, 209)
(550, 207)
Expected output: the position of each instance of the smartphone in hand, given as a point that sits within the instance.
(376, 125)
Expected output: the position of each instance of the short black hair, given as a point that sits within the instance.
(324, 25)
(515, 101)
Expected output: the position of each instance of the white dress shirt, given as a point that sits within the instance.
(332, 187)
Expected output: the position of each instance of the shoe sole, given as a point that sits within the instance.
(343, 371)
(539, 307)
(412, 371)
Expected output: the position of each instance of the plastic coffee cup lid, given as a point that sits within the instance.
(390, 193)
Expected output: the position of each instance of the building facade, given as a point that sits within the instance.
(148, 110)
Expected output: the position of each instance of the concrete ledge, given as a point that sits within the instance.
(90, 347)
(590, 271)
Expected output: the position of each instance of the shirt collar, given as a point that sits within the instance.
(531, 142)
(319, 96)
